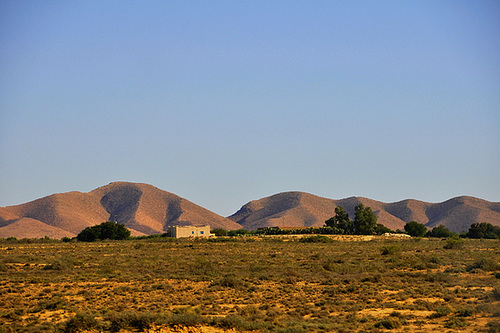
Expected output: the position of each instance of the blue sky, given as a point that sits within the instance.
(223, 102)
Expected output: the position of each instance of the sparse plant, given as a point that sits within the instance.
(441, 311)
(390, 249)
(494, 326)
(63, 263)
(229, 281)
(388, 323)
(455, 322)
(185, 319)
(3, 267)
(453, 242)
(81, 322)
(466, 312)
(204, 267)
(486, 264)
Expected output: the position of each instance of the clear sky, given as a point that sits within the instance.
(223, 102)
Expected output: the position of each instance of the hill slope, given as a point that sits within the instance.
(298, 209)
(143, 208)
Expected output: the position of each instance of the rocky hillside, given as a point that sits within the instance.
(142, 208)
(298, 209)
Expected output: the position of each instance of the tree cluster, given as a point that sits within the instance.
(483, 230)
(476, 230)
(106, 230)
(416, 229)
(364, 223)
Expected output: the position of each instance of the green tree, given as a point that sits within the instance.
(365, 221)
(483, 230)
(381, 229)
(219, 232)
(341, 221)
(88, 234)
(440, 231)
(106, 230)
(415, 229)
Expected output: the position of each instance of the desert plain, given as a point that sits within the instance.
(259, 283)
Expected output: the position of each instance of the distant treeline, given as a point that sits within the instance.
(364, 223)
(477, 230)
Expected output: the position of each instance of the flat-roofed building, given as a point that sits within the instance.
(189, 231)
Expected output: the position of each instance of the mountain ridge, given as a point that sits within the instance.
(142, 208)
(146, 209)
(457, 214)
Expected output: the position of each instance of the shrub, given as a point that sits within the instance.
(229, 281)
(3, 267)
(388, 323)
(389, 249)
(494, 327)
(441, 311)
(484, 264)
(453, 243)
(186, 319)
(140, 321)
(293, 329)
(80, 322)
(455, 322)
(53, 303)
(63, 263)
(330, 265)
(204, 267)
(466, 312)
(251, 312)
(316, 239)
(239, 323)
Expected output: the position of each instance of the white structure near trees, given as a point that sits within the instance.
(189, 231)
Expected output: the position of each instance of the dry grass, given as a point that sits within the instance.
(263, 284)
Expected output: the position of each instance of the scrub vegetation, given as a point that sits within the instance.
(322, 283)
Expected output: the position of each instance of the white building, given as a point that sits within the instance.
(189, 231)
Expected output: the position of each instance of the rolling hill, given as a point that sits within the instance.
(145, 210)
(299, 209)
(142, 208)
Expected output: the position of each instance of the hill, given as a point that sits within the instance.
(145, 210)
(142, 208)
(299, 209)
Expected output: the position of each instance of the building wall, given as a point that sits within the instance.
(189, 231)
